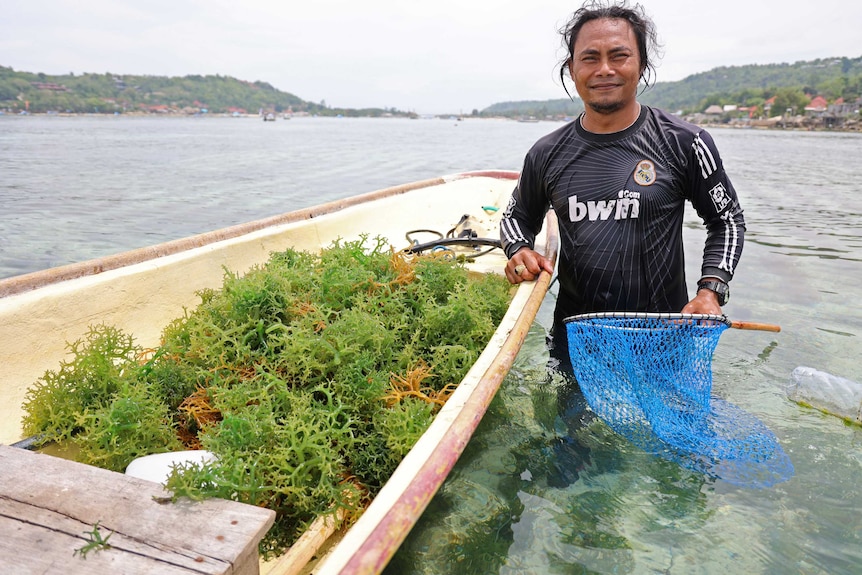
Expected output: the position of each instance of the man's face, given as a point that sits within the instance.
(606, 65)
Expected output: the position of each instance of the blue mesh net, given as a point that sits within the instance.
(649, 376)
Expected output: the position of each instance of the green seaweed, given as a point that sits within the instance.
(309, 378)
(95, 542)
(57, 404)
(133, 424)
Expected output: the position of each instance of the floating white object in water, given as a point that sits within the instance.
(158, 467)
(826, 392)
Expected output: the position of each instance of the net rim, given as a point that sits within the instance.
(649, 315)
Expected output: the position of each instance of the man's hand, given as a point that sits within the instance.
(526, 265)
(706, 301)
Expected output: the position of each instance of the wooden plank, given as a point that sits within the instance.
(32, 547)
(49, 505)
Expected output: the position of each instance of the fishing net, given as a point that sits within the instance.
(649, 377)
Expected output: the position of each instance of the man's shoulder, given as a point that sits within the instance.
(553, 139)
(680, 134)
(682, 129)
(674, 122)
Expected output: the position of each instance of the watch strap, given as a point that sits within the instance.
(720, 288)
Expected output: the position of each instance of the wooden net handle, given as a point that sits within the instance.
(755, 325)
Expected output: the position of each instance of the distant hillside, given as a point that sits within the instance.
(747, 85)
(535, 108)
(123, 93)
(830, 77)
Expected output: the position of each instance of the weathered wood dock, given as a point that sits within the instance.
(50, 507)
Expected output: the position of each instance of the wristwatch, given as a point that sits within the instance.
(721, 289)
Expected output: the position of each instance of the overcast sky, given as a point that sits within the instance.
(435, 56)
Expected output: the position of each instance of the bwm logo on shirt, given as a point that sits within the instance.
(720, 197)
(627, 205)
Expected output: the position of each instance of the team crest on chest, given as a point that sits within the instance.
(645, 173)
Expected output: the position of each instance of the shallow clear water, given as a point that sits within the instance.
(539, 489)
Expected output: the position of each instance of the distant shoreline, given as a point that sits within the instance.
(793, 125)
(853, 128)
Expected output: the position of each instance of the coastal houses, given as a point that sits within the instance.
(818, 113)
(817, 105)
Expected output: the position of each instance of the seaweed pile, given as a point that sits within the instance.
(310, 378)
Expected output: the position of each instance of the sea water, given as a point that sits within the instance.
(542, 487)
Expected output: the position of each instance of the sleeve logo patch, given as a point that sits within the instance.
(645, 173)
(720, 197)
(510, 207)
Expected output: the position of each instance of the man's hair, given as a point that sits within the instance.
(641, 24)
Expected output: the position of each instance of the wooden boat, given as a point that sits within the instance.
(142, 290)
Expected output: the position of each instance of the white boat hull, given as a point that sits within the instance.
(142, 291)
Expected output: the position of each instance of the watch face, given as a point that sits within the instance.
(721, 289)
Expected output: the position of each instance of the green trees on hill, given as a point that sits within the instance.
(535, 108)
(113, 93)
(793, 86)
(108, 93)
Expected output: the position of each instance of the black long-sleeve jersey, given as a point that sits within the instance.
(620, 200)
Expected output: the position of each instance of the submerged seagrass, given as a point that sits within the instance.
(310, 378)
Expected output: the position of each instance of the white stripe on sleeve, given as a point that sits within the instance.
(704, 158)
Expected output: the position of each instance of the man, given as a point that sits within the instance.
(618, 178)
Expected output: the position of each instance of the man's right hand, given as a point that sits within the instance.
(526, 265)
